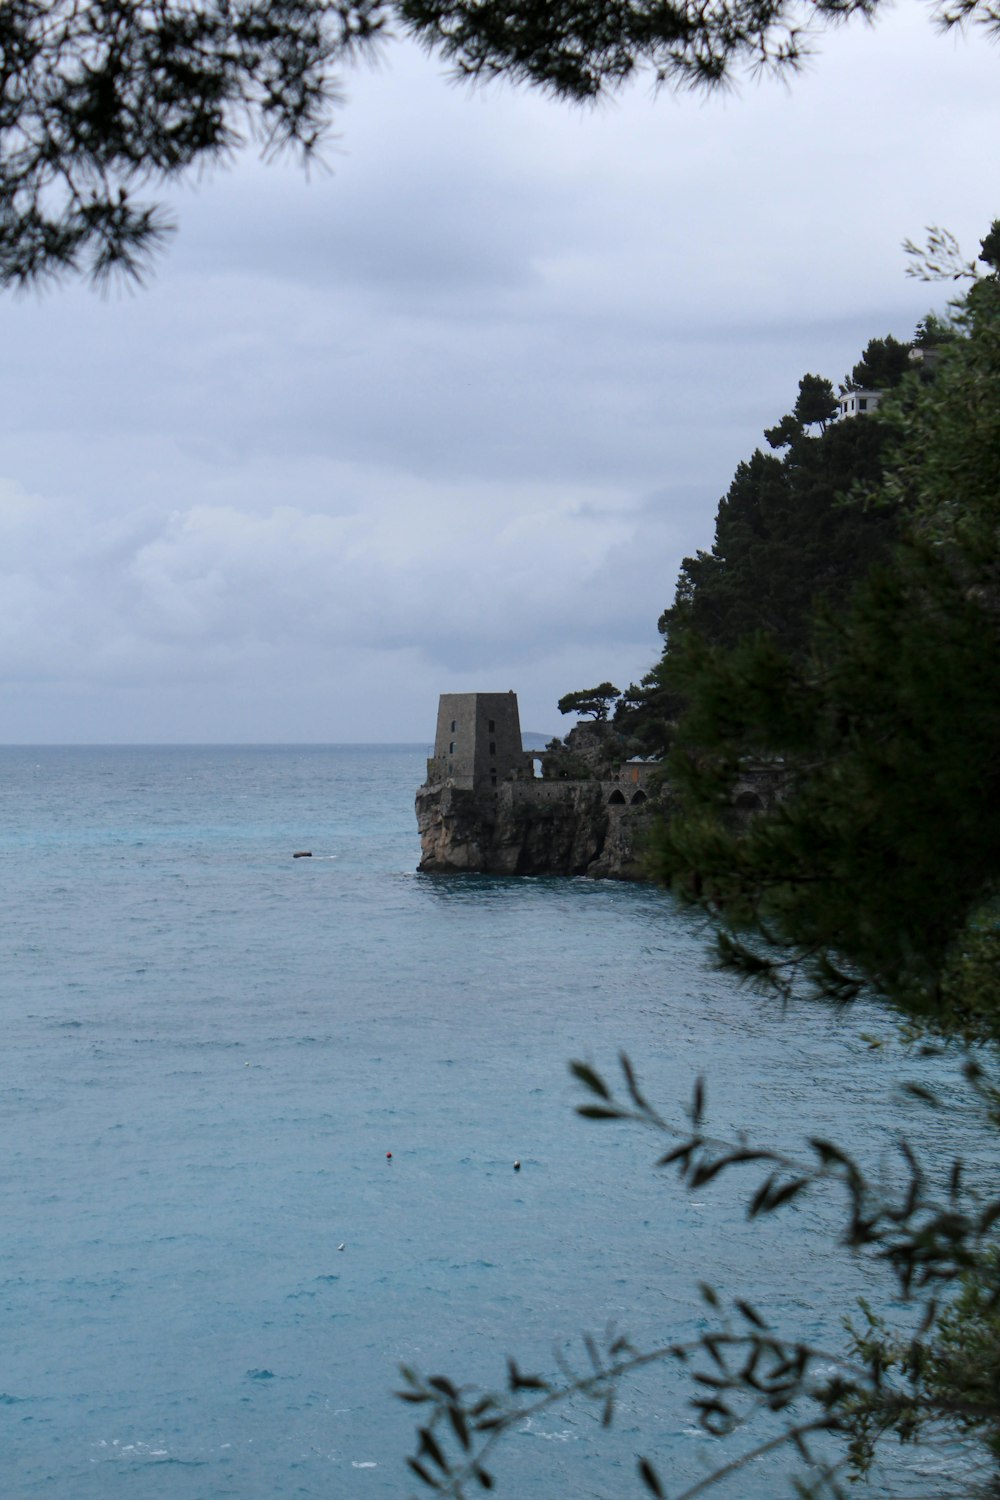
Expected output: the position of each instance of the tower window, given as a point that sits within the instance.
(454, 725)
(451, 748)
(493, 726)
(493, 747)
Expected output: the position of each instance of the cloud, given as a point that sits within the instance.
(469, 577)
(451, 415)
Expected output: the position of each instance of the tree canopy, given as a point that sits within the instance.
(791, 534)
(593, 703)
(879, 867)
(883, 365)
(101, 100)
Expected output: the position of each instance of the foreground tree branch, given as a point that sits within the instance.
(101, 100)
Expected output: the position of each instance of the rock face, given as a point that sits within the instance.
(532, 828)
(589, 815)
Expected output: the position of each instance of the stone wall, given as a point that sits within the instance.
(533, 828)
(595, 822)
(478, 740)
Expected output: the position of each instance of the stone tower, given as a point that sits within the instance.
(478, 742)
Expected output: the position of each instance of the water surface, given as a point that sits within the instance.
(209, 1049)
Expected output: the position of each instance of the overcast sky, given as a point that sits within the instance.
(448, 417)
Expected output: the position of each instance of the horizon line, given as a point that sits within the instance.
(227, 744)
(209, 744)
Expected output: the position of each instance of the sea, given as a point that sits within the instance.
(260, 1117)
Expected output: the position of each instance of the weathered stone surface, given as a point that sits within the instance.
(588, 815)
(591, 813)
(532, 828)
(550, 828)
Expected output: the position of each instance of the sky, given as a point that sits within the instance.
(447, 415)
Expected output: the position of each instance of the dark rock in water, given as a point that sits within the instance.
(303, 854)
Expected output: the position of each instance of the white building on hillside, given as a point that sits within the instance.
(859, 403)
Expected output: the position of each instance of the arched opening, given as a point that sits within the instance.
(749, 802)
(617, 799)
(638, 797)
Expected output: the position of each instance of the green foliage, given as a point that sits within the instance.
(101, 100)
(989, 247)
(559, 763)
(882, 366)
(98, 100)
(963, 1367)
(790, 534)
(938, 259)
(945, 471)
(815, 405)
(785, 432)
(590, 702)
(645, 715)
(932, 331)
(879, 867)
(879, 856)
(944, 1381)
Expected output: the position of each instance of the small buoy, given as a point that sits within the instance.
(246, 1065)
(303, 854)
(388, 1156)
(340, 1247)
(517, 1166)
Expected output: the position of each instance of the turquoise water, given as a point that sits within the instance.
(209, 1050)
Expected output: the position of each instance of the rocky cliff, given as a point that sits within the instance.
(589, 815)
(532, 828)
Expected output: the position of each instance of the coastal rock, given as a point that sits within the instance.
(483, 810)
(533, 828)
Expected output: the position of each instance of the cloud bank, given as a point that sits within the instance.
(450, 416)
